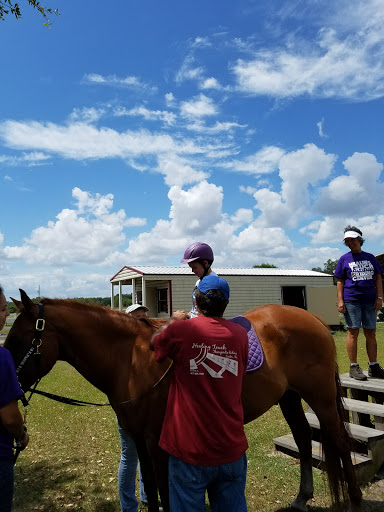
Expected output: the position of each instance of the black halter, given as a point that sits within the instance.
(34, 350)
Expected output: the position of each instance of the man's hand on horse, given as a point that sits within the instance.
(176, 316)
(179, 315)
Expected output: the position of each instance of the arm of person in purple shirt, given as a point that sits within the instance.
(12, 421)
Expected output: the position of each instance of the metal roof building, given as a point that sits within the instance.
(166, 289)
(380, 257)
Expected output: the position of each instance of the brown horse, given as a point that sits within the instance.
(111, 350)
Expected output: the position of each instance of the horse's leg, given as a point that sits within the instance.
(155, 462)
(292, 410)
(148, 474)
(162, 478)
(337, 445)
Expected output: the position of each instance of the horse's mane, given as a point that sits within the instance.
(102, 311)
(73, 303)
(154, 322)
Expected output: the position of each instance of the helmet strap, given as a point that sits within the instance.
(205, 267)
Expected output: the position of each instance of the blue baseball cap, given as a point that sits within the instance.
(212, 282)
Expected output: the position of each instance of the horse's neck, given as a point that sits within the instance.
(116, 357)
(93, 352)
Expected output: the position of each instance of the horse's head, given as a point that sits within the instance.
(27, 342)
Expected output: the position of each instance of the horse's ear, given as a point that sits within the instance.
(27, 304)
(17, 303)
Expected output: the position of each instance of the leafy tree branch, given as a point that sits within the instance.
(13, 8)
(329, 267)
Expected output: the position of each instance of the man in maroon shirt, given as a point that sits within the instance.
(203, 427)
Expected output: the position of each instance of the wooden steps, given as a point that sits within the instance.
(372, 385)
(369, 392)
(358, 432)
(362, 463)
(365, 405)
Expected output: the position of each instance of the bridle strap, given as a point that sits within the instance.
(37, 341)
(34, 350)
(25, 359)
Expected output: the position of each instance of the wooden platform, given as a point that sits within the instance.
(286, 444)
(364, 402)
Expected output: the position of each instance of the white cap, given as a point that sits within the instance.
(133, 307)
(350, 234)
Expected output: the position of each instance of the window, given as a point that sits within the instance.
(162, 300)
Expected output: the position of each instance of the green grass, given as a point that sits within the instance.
(73, 456)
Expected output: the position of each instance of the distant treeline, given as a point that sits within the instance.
(101, 301)
(106, 301)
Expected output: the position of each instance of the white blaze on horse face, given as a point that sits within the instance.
(3, 310)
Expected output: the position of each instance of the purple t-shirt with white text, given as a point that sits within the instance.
(9, 390)
(358, 272)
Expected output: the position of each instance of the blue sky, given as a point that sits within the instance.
(128, 133)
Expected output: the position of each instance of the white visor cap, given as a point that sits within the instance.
(350, 234)
(132, 308)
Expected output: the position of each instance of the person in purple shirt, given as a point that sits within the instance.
(360, 297)
(11, 422)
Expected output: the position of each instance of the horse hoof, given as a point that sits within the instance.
(299, 505)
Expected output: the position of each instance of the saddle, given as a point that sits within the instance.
(255, 350)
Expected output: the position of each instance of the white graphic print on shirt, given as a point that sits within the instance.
(361, 270)
(220, 356)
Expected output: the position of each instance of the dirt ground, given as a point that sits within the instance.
(373, 494)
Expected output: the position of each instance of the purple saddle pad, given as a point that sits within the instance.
(255, 351)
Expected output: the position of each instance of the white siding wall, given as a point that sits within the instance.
(247, 292)
(182, 288)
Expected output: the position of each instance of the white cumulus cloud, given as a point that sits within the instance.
(199, 106)
(297, 170)
(86, 234)
(356, 193)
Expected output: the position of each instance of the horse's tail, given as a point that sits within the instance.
(337, 449)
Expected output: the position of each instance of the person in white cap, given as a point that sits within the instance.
(129, 458)
(137, 310)
(360, 297)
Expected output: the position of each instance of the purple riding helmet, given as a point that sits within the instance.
(198, 251)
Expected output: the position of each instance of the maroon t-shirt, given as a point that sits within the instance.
(203, 422)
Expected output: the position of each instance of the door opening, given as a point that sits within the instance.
(294, 296)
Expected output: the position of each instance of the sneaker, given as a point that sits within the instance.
(356, 373)
(376, 371)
